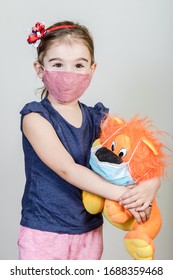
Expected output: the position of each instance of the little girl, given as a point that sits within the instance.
(58, 133)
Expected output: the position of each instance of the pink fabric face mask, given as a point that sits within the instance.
(65, 87)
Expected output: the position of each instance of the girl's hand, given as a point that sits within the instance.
(141, 216)
(140, 196)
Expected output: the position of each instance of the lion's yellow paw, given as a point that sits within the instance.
(93, 203)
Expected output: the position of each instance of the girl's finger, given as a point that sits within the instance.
(130, 200)
(136, 204)
(131, 186)
(144, 206)
(136, 215)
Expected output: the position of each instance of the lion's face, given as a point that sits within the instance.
(131, 142)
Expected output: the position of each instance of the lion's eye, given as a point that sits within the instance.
(113, 146)
(122, 152)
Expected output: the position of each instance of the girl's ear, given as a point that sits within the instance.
(93, 68)
(39, 69)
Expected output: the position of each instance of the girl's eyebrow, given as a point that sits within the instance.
(56, 58)
(82, 58)
(60, 59)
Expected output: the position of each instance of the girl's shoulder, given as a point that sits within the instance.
(35, 107)
(98, 111)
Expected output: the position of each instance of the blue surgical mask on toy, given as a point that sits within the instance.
(118, 174)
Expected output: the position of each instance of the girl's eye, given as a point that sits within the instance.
(79, 65)
(58, 65)
(122, 153)
(113, 146)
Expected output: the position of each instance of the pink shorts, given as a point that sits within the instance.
(42, 245)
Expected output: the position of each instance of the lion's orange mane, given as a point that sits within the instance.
(144, 164)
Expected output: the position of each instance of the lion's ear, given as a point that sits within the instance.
(119, 121)
(96, 142)
(150, 145)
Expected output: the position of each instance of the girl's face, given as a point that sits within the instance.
(72, 57)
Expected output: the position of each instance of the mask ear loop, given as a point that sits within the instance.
(143, 176)
(131, 158)
(113, 134)
(134, 151)
(43, 68)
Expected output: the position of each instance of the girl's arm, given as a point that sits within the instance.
(141, 195)
(50, 150)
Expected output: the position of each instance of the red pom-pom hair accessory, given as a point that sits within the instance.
(39, 30)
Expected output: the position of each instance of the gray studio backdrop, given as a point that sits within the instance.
(133, 44)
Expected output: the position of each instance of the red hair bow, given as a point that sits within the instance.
(37, 33)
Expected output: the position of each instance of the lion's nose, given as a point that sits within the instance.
(105, 155)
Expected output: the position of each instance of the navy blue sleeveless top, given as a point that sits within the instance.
(50, 203)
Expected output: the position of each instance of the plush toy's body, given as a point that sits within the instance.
(133, 146)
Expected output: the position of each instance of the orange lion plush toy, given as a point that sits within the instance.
(128, 153)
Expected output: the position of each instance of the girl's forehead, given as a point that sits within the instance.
(65, 50)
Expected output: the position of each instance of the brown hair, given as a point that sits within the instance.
(78, 32)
